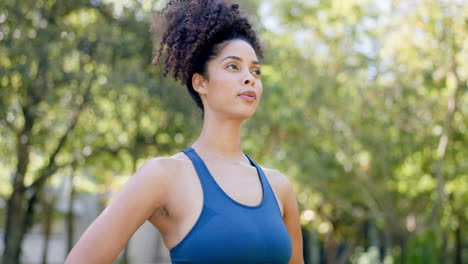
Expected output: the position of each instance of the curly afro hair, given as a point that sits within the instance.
(190, 34)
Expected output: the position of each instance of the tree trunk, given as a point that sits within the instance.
(49, 204)
(388, 244)
(330, 248)
(314, 250)
(19, 220)
(13, 235)
(443, 248)
(15, 212)
(403, 244)
(71, 214)
(458, 243)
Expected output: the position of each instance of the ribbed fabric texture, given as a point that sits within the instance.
(230, 232)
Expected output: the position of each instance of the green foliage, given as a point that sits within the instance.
(358, 98)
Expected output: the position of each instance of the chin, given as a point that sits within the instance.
(243, 114)
(236, 112)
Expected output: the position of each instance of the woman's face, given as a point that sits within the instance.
(233, 87)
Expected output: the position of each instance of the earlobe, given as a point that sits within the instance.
(198, 83)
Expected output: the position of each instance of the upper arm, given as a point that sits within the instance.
(292, 222)
(145, 191)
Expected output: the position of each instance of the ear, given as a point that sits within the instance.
(198, 83)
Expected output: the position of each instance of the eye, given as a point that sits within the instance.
(257, 72)
(232, 66)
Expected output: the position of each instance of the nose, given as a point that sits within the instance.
(249, 79)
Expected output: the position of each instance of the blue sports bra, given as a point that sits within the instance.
(230, 232)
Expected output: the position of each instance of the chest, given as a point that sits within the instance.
(241, 183)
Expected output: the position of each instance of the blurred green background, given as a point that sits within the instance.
(365, 109)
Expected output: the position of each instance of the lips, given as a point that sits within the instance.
(249, 95)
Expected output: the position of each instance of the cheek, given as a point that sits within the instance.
(220, 91)
(260, 88)
(224, 86)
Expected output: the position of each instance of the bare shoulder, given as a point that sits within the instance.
(166, 165)
(165, 168)
(158, 172)
(280, 181)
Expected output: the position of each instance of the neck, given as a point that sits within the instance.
(220, 138)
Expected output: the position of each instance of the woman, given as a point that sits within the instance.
(211, 203)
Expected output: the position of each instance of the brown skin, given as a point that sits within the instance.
(169, 191)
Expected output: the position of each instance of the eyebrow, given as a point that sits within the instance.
(239, 59)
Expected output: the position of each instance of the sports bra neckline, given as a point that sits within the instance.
(259, 175)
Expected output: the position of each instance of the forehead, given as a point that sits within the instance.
(238, 48)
